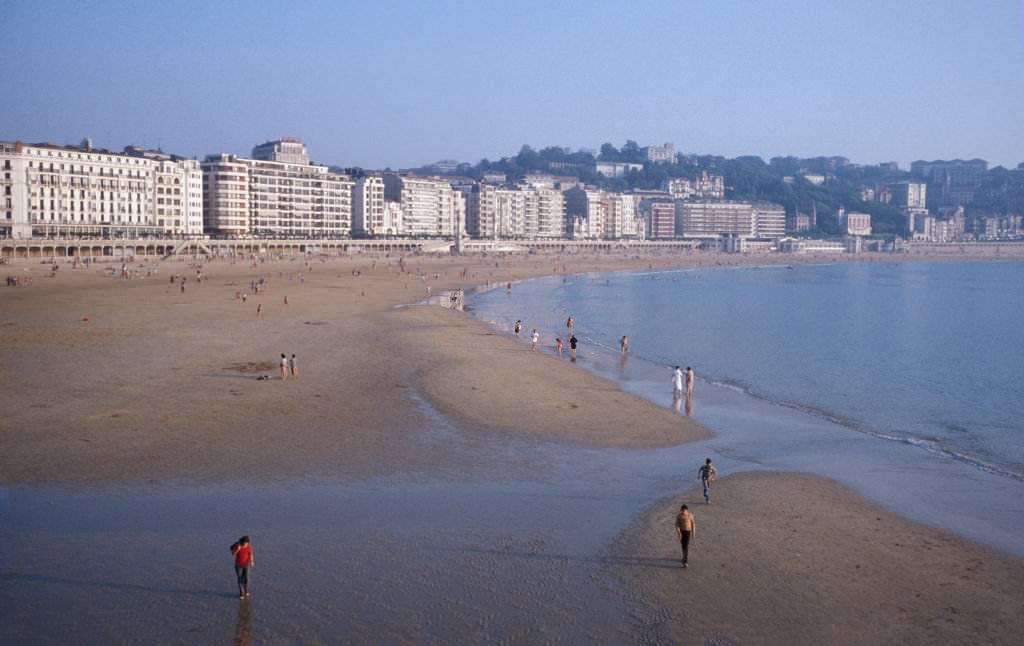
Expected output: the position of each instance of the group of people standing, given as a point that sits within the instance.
(683, 380)
(288, 367)
(517, 329)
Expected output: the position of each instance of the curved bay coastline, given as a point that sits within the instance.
(754, 432)
(397, 414)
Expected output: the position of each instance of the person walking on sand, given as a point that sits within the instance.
(517, 328)
(284, 367)
(244, 561)
(691, 377)
(707, 474)
(677, 383)
(686, 530)
(558, 346)
(534, 337)
(259, 310)
(293, 367)
(572, 345)
(624, 344)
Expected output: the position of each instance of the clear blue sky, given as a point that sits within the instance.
(404, 83)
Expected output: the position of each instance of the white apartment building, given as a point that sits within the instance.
(50, 190)
(544, 211)
(493, 212)
(368, 206)
(709, 187)
(769, 220)
(616, 169)
(680, 188)
(393, 221)
(854, 223)
(708, 219)
(584, 213)
(430, 206)
(252, 197)
(290, 150)
(909, 195)
(622, 217)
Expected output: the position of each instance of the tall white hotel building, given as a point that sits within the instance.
(430, 207)
(276, 193)
(59, 191)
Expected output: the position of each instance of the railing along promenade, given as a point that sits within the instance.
(114, 249)
(100, 249)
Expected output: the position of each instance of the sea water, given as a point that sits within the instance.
(930, 354)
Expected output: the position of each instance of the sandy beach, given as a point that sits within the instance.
(113, 384)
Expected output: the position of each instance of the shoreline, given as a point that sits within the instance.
(761, 430)
(610, 353)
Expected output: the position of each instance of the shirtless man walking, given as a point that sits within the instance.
(686, 530)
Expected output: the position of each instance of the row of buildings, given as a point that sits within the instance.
(51, 190)
(944, 219)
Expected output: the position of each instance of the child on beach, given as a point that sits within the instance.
(293, 367)
(284, 367)
(242, 551)
(534, 337)
(517, 327)
(558, 346)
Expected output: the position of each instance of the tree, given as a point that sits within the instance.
(609, 153)
(632, 152)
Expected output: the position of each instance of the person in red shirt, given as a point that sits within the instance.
(242, 551)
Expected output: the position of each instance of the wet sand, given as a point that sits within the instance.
(157, 391)
(795, 559)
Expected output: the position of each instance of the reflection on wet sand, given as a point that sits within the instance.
(243, 624)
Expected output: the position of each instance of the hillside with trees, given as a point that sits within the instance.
(778, 180)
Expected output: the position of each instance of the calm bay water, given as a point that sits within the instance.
(927, 354)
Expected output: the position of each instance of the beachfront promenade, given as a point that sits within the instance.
(44, 248)
(97, 248)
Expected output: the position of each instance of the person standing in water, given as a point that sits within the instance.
(686, 530)
(534, 337)
(244, 561)
(691, 377)
(677, 383)
(558, 346)
(572, 345)
(517, 327)
(624, 344)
